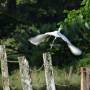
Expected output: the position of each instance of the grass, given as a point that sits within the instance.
(38, 80)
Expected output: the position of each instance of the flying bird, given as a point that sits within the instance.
(41, 38)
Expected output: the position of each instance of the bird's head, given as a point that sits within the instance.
(60, 28)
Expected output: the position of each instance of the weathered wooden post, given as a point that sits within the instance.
(88, 78)
(83, 79)
(48, 71)
(25, 73)
(4, 68)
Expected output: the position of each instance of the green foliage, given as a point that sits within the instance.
(85, 61)
(31, 17)
(26, 1)
(77, 27)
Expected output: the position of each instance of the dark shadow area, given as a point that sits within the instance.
(12, 67)
(60, 88)
(1, 88)
(67, 87)
(57, 88)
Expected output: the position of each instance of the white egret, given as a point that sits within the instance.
(40, 38)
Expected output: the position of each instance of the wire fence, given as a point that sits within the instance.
(26, 73)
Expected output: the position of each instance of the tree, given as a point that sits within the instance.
(22, 19)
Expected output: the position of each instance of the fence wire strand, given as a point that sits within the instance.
(38, 70)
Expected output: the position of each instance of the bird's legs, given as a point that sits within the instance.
(52, 43)
(59, 29)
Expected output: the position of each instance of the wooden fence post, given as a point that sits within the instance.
(85, 78)
(48, 71)
(4, 68)
(25, 73)
(88, 78)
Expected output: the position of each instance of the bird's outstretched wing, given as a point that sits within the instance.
(73, 49)
(38, 39)
(64, 38)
